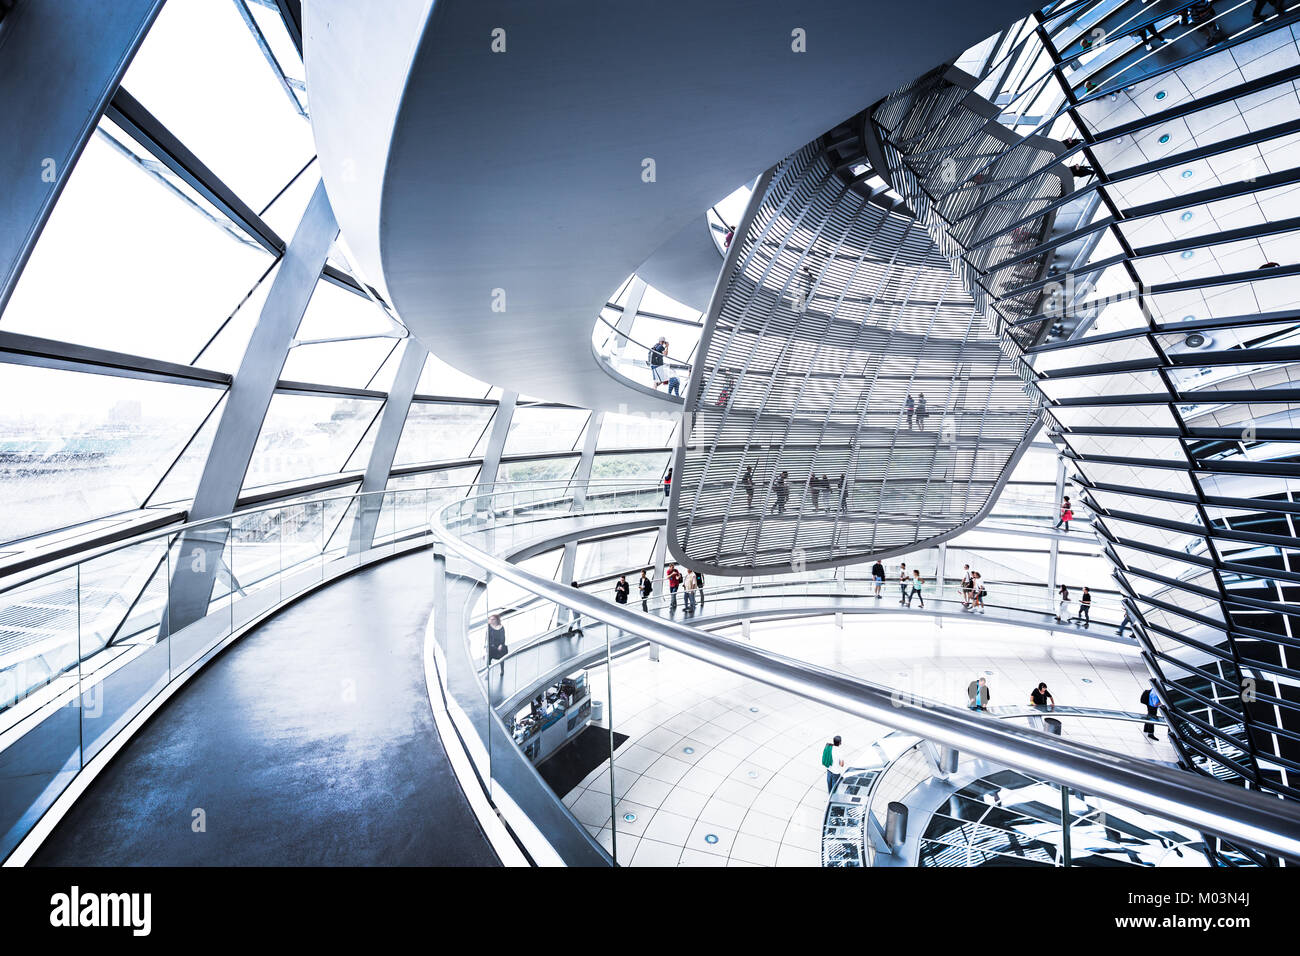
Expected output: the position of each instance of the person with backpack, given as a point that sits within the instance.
(647, 588)
(1150, 700)
(674, 582)
(655, 358)
(692, 584)
(621, 590)
(496, 642)
(979, 593)
(833, 762)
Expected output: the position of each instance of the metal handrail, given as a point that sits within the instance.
(682, 363)
(1208, 805)
(62, 564)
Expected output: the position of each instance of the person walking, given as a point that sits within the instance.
(1085, 607)
(967, 587)
(877, 577)
(674, 582)
(1151, 700)
(699, 585)
(747, 482)
(1067, 515)
(782, 490)
(647, 588)
(844, 493)
(1062, 602)
(1125, 624)
(668, 482)
(833, 762)
(621, 590)
(918, 585)
(977, 694)
(904, 582)
(691, 584)
(920, 411)
(910, 408)
(496, 642)
(979, 592)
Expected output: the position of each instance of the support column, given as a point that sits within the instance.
(62, 62)
(391, 421)
(487, 476)
(1054, 546)
(841, 578)
(582, 477)
(567, 564)
(661, 559)
(251, 391)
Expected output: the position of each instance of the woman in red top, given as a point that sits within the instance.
(1067, 514)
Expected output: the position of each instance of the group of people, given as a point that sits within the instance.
(1084, 616)
(690, 583)
(817, 488)
(660, 374)
(915, 411)
(973, 591)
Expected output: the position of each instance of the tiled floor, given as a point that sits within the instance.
(723, 771)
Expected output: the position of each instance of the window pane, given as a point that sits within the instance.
(128, 264)
(200, 72)
(544, 429)
(305, 436)
(437, 432)
(78, 446)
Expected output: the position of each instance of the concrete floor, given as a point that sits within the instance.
(308, 743)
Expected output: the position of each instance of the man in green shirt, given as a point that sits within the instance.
(833, 763)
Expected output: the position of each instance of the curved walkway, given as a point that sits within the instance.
(309, 742)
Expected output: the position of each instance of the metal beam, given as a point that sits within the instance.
(582, 477)
(60, 66)
(200, 557)
(487, 476)
(383, 451)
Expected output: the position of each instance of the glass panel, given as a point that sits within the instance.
(438, 432)
(304, 436)
(157, 269)
(79, 446)
(200, 72)
(544, 429)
